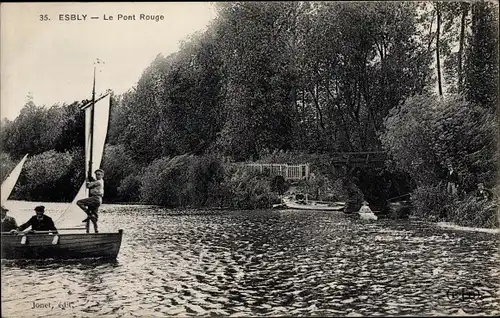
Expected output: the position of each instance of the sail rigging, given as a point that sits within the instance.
(44, 245)
(10, 182)
(96, 128)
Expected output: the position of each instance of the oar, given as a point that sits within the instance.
(47, 232)
(39, 232)
(71, 228)
(404, 195)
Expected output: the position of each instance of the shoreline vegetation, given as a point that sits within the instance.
(292, 82)
(209, 210)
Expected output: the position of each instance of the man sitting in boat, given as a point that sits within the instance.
(91, 204)
(8, 222)
(39, 222)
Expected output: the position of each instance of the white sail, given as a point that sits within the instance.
(101, 120)
(10, 182)
(73, 216)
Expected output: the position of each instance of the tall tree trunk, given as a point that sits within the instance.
(465, 10)
(345, 124)
(314, 94)
(438, 62)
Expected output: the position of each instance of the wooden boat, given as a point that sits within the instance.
(298, 202)
(74, 244)
(61, 246)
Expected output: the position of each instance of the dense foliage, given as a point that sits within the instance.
(6, 165)
(427, 133)
(47, 176)
(289, 82)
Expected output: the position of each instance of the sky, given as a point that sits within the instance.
(53, 60)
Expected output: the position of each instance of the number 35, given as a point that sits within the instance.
(44, 17)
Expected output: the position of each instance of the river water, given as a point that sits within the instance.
(260, 263)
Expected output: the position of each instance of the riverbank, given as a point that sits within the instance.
(450, 225)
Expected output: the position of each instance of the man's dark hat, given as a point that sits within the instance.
(40, 208)
(99, 170)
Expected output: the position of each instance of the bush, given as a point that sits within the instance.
(408, 138)
(248, 190)
(7, 165)
(183, 181)
(426, 131)
(432, 203)
(465, 134)
(129, 189)
(474, 212)
(279, 185)
(47, 177)
(77, 172)
(205, 177)
(164, 181)
(117, 164)
(435, 204)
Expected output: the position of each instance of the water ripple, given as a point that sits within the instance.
(262, 263)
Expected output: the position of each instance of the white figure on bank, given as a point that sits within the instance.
(365, 213)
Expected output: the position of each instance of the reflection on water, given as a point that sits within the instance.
(269, 263)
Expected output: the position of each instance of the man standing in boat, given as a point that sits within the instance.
(8, 222)
(39, 222)
(91, 204)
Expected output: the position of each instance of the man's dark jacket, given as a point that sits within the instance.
(9, 224)
(453, 177)
(44, 224)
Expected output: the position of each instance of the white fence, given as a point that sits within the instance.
(289, 172)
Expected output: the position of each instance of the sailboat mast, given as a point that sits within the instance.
(92, 127)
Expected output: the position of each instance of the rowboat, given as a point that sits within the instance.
(69, 242)
(298, 202)
(61, 246)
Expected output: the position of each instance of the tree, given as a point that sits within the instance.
(481, 71)
(425, 133)
(464, 12)
(47, 177)
(253, 39)
(118, 165)
(176, 107)
(360, 61)
(438, 60)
